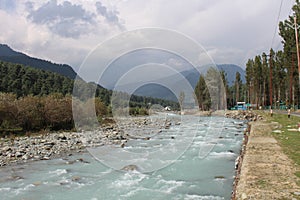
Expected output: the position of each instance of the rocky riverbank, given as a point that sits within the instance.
(239, 161)
(51, 145)
(243, 115)
(39, 147)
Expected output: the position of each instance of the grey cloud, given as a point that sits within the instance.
(66, 19)
(70, 28)
(29, 6)
(110, 16)
(8, 5)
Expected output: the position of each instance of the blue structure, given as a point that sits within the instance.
(241, 106)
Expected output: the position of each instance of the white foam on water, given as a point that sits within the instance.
(166, 183)
(169, 185)
(222, 154)
(64, 182)
(5, 189)
(197, 197)
(131, 193)
(220, 180)
(198, 143)
(58, 172)
(129, 179)
(220, 145)
(104, 173)
(238, 122)
(27, 187)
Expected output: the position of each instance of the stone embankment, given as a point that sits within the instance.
(50, 145)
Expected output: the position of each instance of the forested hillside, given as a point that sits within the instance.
(9, 55)
(23, 81)
(33, 99)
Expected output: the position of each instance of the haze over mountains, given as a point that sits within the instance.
(152, 89)
(192, 76)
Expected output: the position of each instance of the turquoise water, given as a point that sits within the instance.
(194, 175)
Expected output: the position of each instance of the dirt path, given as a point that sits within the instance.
(266, 172)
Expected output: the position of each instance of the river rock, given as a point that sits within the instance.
(75, 178)
(6, 148)
(244, 196)
(37, 183)
(130, 168)
(46, 146)
(297, 193)
(19, 154)
(243, 115)
(219, 177)
(25, 157)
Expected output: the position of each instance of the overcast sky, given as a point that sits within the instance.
(66, 31)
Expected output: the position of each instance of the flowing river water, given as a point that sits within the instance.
(204, 170)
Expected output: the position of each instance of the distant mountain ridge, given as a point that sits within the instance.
(192, 76)
(9, 55)
(230, 70)
(23, 75)
(150, 90)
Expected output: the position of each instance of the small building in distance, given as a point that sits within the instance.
(240, 106)
(167, 108)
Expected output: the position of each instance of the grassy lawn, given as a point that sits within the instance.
(289, 140)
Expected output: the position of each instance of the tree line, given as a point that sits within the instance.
(210, 90)
(24, 80)
(272, 78)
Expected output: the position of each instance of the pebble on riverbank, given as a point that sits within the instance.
(40, 147)
(244, 115)
(51, 145)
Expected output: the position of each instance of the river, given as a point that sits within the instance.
(204, 170)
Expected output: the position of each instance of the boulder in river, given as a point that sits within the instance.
(130, 168)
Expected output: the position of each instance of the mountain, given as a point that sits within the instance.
(230, 71)
(149, 90)
(192, 76)
(9, 55)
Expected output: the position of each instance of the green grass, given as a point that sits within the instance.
(289, 140)
(262, 183)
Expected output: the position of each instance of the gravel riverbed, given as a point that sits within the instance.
(50, 145)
